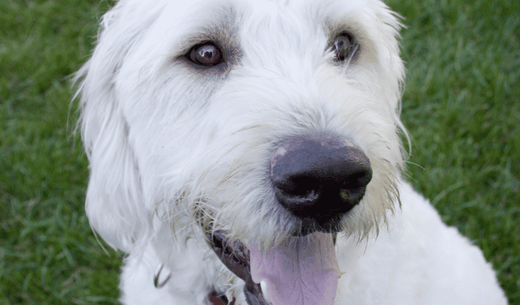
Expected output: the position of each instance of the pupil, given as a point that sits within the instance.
(342, 45)
(207, 53)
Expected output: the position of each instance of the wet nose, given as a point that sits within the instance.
(317, 179)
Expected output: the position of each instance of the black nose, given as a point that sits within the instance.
(319, 179)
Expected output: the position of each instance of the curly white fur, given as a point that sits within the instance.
(167, 140)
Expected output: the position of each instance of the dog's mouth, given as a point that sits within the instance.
(236, 258)
(300, 270)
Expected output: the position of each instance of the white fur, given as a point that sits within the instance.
(166, 140)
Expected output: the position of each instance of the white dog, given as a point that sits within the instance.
(248, 152)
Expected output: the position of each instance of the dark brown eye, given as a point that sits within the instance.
(206, 54)
(344, 47)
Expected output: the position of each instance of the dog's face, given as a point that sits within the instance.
(261, 120)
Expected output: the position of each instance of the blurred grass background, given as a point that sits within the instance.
(461, 106)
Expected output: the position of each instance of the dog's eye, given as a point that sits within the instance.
(344, 46)
(206, 54)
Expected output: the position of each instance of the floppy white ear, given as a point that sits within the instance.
(390, 26)
(114, 202)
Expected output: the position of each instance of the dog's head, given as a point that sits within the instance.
(260, 120)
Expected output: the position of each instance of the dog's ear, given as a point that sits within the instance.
(114, 203)
(394, 70)
(390, 27)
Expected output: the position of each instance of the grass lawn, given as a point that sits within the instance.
(461, 106)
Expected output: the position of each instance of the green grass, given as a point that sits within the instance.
(461, 106)
(48, 254)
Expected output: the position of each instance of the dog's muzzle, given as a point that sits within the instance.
(319, 181)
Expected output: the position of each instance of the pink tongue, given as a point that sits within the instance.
(300, 271)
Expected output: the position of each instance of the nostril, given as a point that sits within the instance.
(356, 175)
(313, 178)
(296, 185)
(297, 193)
(354, 186)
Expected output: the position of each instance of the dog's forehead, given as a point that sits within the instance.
(200, 11)
(259, 20)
